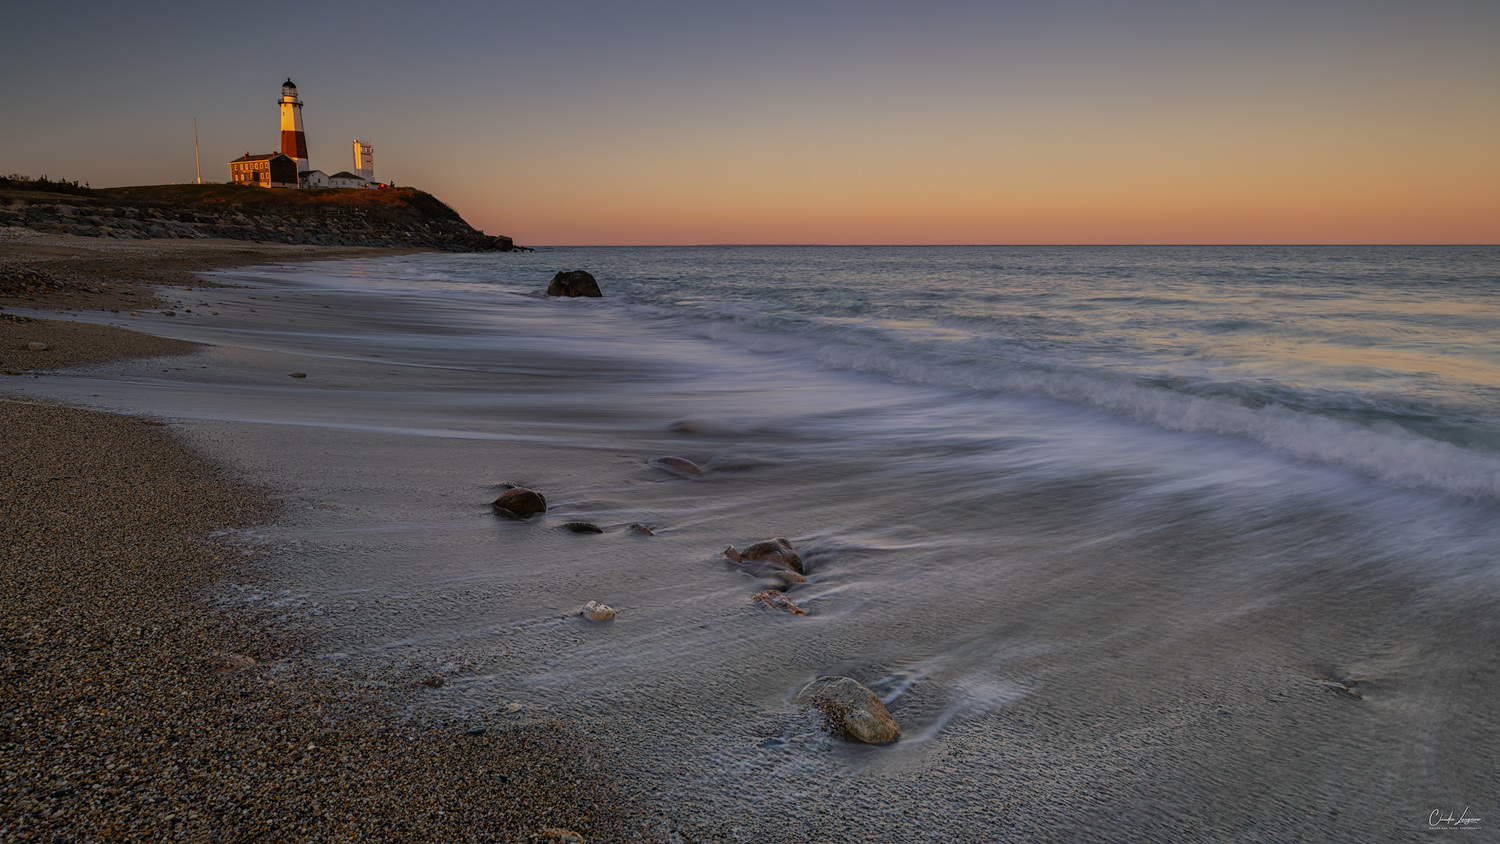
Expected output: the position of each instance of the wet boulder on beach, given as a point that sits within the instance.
(573, 284)
(778, 551)
(849, 709)
(519, 503)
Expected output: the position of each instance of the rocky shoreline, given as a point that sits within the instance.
(331, 225)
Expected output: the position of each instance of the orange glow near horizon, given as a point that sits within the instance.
(1308, 181)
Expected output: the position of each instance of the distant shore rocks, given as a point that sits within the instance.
(519, 503)
(850, 709)
(408, 221)
(573, 284)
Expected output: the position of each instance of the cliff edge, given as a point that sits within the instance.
(389, 217)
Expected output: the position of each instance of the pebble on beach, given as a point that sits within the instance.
(37, 347)
(595, 611)
(638, 528)
(299, 375)
(227, 663)
(583, 527)
(773, 599)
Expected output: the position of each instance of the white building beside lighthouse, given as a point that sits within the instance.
(364, 160)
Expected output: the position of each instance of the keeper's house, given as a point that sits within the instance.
(272, 170)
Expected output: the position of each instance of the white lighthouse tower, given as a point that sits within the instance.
(293, 142)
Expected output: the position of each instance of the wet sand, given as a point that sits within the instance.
(133, 706)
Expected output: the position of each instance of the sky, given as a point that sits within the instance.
(571, 123)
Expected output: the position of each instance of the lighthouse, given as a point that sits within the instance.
(293, 142)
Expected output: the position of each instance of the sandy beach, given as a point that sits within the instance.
(1112, 611)
(135, 707)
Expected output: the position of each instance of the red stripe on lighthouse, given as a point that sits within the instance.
(293, 144)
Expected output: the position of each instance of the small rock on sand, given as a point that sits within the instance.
(583, 527)
(595, 611)
(678, 466)
(229, 663)
(299, 375)
(776, 601)
(555, 835)
(637, 527)
(520, 503)
(37, 347)
(850, 709)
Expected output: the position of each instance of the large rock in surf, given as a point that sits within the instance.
(850, 710)
(520, 503)
(574, 283)
(778, 551)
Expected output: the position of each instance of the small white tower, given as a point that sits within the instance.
(293, 141)
(364, 160)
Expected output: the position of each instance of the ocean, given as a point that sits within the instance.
(1137, 543)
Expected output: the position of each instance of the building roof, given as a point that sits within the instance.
(310, 172)
(289, 83)
(345, 174)
(248, 157)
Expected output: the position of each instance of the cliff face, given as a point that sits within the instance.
(394, 217)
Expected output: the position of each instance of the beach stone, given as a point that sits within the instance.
(37, 347)
(677, 466)
(788, 577)
(638, 528)
(595, 611)
(772, 599)
(299, 375)
(229, 663)
(778, 551)
(561, 836)
(850, 709)
(574, 283)
(583, 527)
(520, 503)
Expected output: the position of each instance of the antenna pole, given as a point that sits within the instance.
(197, 165)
